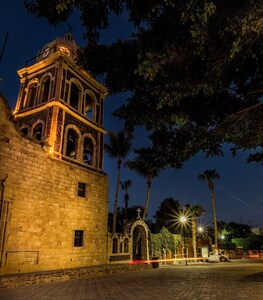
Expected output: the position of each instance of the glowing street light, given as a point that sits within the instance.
(200, 230)
(183, 220)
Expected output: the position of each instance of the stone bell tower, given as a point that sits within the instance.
(54, 205)
(61, 105)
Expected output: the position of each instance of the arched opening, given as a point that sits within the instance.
(38, 132)
(115, 245)
(126, 245)
(89, 106)
(137, 244)
(140, 248)
(88, 151)
(74, 96)
(72, 144)
(32, 91)
(45, 89)
(25, 130)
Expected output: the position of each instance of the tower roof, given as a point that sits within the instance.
(66, 44)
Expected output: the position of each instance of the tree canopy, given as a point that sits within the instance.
(194, 70)
(147, 165)
(165, 216)
(233, 230)
(119, 146)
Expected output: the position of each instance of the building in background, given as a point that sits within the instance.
(257, 230)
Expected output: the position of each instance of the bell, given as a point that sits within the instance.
(88, 148)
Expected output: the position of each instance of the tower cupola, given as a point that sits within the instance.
(66, 45)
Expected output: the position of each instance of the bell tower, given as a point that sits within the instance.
(61, 105)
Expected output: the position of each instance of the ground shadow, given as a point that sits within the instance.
(255, 277)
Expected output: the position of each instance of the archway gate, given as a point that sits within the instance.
(131, 245)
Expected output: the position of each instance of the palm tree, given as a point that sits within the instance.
(210, 176)
(145, 164)
(119, 146)
(195, 211)
(125, 185)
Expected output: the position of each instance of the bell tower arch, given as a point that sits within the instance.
(61, 105)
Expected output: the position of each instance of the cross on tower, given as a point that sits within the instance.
(138, 213)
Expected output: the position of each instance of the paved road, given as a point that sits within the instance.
(233, 280)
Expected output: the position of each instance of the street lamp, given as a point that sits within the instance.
(183, 221)
(200, 230)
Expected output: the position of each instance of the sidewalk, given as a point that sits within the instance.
(228, 281)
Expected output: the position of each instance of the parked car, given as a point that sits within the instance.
(213, 258)
(223, 258)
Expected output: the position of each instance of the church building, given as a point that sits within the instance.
(54, 192)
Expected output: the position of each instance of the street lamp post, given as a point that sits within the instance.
(183, 221)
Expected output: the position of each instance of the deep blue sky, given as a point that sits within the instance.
(239, 192)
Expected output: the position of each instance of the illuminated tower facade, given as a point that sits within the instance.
(61, 105)
(54, 195)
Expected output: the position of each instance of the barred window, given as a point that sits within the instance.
(78, 238)
(82, 189)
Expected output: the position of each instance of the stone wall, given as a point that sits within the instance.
(63, 275)
(41, 209)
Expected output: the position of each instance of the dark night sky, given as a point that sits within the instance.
(239, 192)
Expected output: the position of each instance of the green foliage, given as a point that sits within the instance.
(163, 240)
(257, 157)
(194, 211)
(94, 15)
(146, 163)
(250, 243)
(227, 246)
(118, 148)
(197, 59)
(125, 185)
(156, 245)
(209, 175)
(168, 242)
(233, 230)
(119, 145)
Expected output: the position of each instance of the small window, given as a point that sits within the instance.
(78, 238)
(82, 189)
